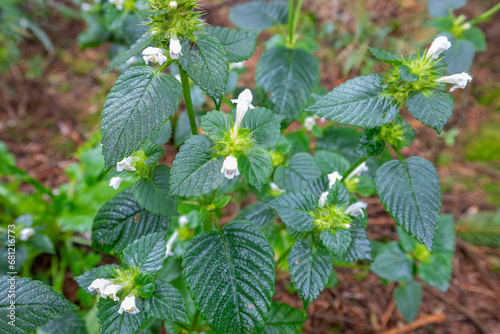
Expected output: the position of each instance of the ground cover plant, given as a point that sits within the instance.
(179, 267)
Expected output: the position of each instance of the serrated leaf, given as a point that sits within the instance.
(284, 319)
(293, 209)
(215, 123)
(163, 135)
(206, 63)
(338, 195)
(411, 193)
(290, 75)
(121, 221)
(300, 172)
(386, 56)
(153, 153)
(256, 166)
(67, 323)
(137, 106)
(86, 279)
(406, 74)
(264, 125)
(195, 171)
(35, 305)
(408, 298)
(139, 45)
(369, 144)
(231, 275)
(444, 7)
(337, 242)
(310, 268)
(445, 236)
(436, 271)
(113, 322)
(433, 108)
(358, 102)
(329, 162)
(259, 15)
(146, 253)
(153, 194)
(258, 213)
(239, 44)
(360, 247)
(460, 56)
(166, 303)
(392, 264)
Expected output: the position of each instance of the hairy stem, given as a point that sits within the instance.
(486, 15)
(187, 100)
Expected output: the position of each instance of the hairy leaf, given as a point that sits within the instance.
(433, 108)
(139, 45)
(408, 298)
(293, 209)
(256, 166)
(285, 319)
(258, 213)
(166, 303)
(146, 253)
(259, 15)
(359, 249)
(113, 322)
(300, 172)
(392, 264)
(153, 194)
(239, 44)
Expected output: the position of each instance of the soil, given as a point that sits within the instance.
(43, 119)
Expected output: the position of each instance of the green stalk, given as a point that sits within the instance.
(195, 320)
(400, 156)
(187, 100)
(486, 15)
(290, 21)
(296, 16)
(353, 167)
(283, 256)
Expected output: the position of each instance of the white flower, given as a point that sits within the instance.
(111, 291)
(173, 4)
(274, 187)
(332, 178)
(170, 243)
(322, 199)
(359, 170)
(233, 66)
(309, 123)
(175, 47)
(115, 182)
(459, 80)
(183, 220)
(230, 167)
(86, 7)
(128, 305)
(356, 209)
(126, 163)
(26, 233)
(117, 3)
(99, 285)
(154, 55)
(243, 103)
(439, 45)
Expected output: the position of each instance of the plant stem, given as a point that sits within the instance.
(400, 156)
(350, 265)
(486, 15)
(290, 21)
(195, 320)
(293, 20)
(187, 100)
(81, 241)
(296, 16)
(284, 255)
(353, 167)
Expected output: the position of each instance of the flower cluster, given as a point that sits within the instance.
(125, 164)
(108, 288)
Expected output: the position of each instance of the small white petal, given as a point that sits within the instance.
(173, 4)
(126, 163)
(115, 182)
(170, 244)
(243, 103)
(175, 47)
(230, 167)
(359, 170)
(99, 285)
(275, 187)
(322, 199)
(183, 220)
(117, 3)
(26, 233)
(236, 65)
(111, 291)
(438, 46)
(332, 178)
(459, 80)
(128, 305)
(356, 209)
(309, 123)
(154, 55)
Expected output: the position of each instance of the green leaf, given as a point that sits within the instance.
(35, 305)
(153, 152)
(166, 303)
(290, 75)
(329, 162)
(360, 248)
(215, 123)
(113, 322)
(337, 242)
(258, 213)
(146, 253)
(264, 125)
(407, 243)
(392, 264)
(386, 56)
(300, 172)
(436, 271)
(162, 136)
(121, 221)
(231, 275)
(86, 279)
(256, 166)
(460, 56)
(476, 37)
(444, 7)
(153, 194)
(194, 171)
(137, 106)
(285, 319)
(67, 323)
(411, 193)
(338, 195)
(433, 108)
(370, 144)
(358, 102)
(137, 47)
(259, 15)
(406, 74)
(408, 298)
(310, 268)
(42, 243)
(206, 63)
(444, 242)
(293, 209)
(239, 44)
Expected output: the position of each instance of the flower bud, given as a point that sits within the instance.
(356, 209)
(459, 80)
(438, 46)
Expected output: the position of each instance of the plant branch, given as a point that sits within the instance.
(353, 167)
(283, 256)
(486, 15)
(188, 102)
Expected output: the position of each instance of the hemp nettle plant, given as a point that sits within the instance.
(179, 264)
